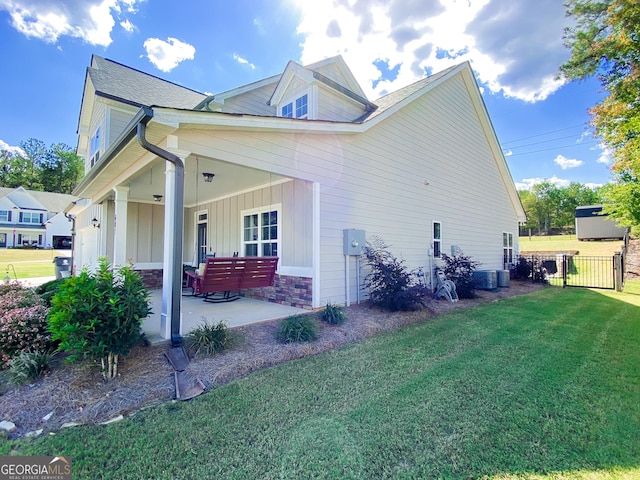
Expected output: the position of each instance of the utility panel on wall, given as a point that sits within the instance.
(354, 241)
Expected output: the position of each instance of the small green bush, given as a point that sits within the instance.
(49, 289)
(298, 328)
(209, 338)
(98, 315)
(29, 366)
(333, 315)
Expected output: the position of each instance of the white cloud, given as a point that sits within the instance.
(167, 55)
(89, 20)
(11, 149)
(564, 162)
(528, 183)
(605, 155)
(243, 61)
(508, 153)
(515, 47)
(127, 25)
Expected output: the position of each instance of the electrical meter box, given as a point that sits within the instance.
(354, 241)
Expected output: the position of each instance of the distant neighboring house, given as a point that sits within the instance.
(593, 224)
(284, 166)
(29, 218)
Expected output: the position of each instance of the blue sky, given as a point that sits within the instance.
(515, 49)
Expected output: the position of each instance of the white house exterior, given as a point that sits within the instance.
(29, 218)
(297, 158)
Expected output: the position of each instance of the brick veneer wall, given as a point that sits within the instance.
(287, 290)
(151, 278)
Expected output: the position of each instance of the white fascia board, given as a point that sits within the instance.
(292, 70)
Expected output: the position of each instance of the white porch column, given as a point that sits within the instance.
(315, 291)
(169, 247)
(120, 226)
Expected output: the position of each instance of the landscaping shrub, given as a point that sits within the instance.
(459, 269)
(299, 328)
(49, 289)
(209, 339)
(29, 366)
(390, 285)
(23, 322)
(333, 315)
(98, 316)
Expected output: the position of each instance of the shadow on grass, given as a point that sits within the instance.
(546, 384)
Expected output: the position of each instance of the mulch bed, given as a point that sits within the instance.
(76, 393)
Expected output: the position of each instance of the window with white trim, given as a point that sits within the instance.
(301, 109)
(30, 217)
(437, 239)
(507, 248)
(94, 147)
(261, 233)
(5, 215)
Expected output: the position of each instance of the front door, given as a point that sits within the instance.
(3, 240)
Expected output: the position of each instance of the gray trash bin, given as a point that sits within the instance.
(62, 267)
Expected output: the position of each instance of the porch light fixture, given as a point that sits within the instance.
(95, 223)
(208, 177)
(157, 198)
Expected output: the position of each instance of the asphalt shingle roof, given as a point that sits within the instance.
(115, 80)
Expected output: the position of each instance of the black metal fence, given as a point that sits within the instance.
(570, 270)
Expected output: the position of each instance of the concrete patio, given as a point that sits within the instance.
(194, 311)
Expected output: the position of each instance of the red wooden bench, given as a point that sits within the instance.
(224, 277)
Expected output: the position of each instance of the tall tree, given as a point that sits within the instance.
(605, 42)
(54, 169)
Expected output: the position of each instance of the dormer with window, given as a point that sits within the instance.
(322, 91)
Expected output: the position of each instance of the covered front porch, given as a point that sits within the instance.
(195, 311)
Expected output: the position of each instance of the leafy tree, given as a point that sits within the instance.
(605, 42)
(549, 206)
(53, 169)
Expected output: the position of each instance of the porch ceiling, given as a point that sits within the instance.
(230, 179)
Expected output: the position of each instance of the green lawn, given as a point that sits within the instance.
(561, 243)
(539, 386)
(29, 263)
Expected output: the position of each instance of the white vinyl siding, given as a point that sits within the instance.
(118, 119)
(254, 102)
(430, 161)
(337, 107)
(436, 239)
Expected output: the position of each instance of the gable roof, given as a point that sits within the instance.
(34, 200)
(114, 80)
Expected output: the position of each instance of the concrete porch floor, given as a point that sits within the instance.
(194, 311)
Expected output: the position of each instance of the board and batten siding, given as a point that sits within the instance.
(429, 161)
(145, 233)
(225, 219)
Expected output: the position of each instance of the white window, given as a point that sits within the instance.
(301, 109)
(94, 147)
(30, 217)
(5, 216)
(437, 239)
(287, 110)
(302, 106)
(261, 233)
(507, 248)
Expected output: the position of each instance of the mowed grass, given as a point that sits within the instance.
(563, 243)
(29, 263)
(545, 385)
